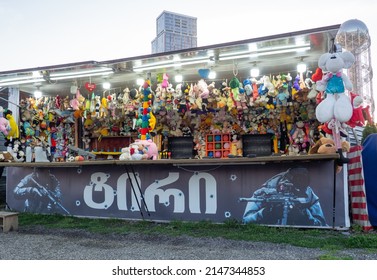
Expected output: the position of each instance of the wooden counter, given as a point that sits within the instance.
(206, 161)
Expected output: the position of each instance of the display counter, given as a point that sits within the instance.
(303, 191)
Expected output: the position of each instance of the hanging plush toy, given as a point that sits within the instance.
(336, 108)
(4, 123)
(14, 131)
(336, 104)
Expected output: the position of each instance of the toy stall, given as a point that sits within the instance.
(261, 148)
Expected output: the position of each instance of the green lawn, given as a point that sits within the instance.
(310, 238)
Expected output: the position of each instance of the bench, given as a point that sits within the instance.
(8, 221)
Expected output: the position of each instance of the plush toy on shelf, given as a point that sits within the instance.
(126, 154)
(327, 146)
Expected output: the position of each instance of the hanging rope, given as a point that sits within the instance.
(235, 69)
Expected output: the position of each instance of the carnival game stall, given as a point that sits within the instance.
(256, 148)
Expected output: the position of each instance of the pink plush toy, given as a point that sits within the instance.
(4, 126)
(165, 81)
(4, 123)
(150, 146)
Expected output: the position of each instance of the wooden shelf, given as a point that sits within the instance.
(107, 153)
(109, 145)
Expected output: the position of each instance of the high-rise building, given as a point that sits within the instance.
(174, 32)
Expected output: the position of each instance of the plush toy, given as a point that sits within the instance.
(247, 87)
(165, 81)
(327, 146)
(357, 118)
(28, 129)
(150, 147)
(336, 104)
(126, 154)
(5, 157)
(14, 130)
(4, 123)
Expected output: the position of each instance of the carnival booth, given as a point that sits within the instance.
(182, 144)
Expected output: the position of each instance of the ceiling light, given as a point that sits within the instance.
(80, 74)
(106, 85)
(19, 82)
(265, 51)
(301, 67)
(37, 74)
(178, 78)
(254, 72)
(37, 93)
(139, 81)
(212, 75)
(170, 63)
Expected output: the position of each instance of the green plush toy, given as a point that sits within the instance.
(235, 88)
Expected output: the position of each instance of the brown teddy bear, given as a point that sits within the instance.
(327, 146)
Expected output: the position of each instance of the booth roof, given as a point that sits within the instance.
(271, 54)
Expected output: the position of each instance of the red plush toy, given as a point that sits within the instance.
(357, 118)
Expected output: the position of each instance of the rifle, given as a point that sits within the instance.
(81, 152)
(288, 200)
(50, 196)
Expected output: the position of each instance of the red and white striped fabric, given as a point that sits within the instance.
(357, 189)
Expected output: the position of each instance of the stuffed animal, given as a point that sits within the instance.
(357, 118)
(4, 123)
(126, 154)
(6, 157)
(150, 148)
(14, 130)
(336, 104)
(327, 146)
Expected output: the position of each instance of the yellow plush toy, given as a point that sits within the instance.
(14, 131)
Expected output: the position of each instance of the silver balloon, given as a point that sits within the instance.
(353, 35)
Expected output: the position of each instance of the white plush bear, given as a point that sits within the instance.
(336, 104)
(126, 154)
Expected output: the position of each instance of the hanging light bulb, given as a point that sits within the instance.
(301, 66)
(37, 93)
(106, 85)
(254, 72)
(74, 88)
(139, 81)
(178, 78)
(212, 75)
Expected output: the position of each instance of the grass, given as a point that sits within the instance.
(330, 240)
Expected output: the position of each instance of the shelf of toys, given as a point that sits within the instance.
(280, 105)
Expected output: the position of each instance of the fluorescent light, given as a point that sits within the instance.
(72, 76)
(37, 74)
(80, 74)
(5, 83)
(265, 51)
(170, 63)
